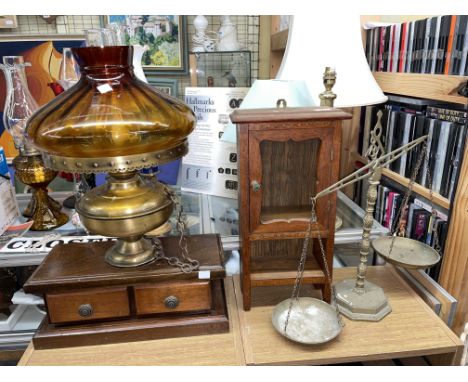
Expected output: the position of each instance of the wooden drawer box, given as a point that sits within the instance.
(173, 297)
(92, 304)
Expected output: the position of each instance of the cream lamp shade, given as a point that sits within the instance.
(315, 43)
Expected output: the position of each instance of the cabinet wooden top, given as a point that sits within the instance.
(288, 114)
(79, 265)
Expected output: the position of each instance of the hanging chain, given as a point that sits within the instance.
(433, 210)
(401, 215)
(301, 267)
(424, 155)
(185, 264)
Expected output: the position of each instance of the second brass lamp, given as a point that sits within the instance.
(112, 122)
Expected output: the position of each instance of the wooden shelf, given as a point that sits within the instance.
(278, 40)
(417, 188)
(283, 269)
(430, 86)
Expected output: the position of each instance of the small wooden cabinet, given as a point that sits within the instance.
(285, 156)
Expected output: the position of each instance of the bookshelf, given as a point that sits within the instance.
(443, 88)
(454, 272)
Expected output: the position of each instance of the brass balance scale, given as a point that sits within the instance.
(312, 321)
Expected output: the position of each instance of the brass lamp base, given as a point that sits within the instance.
(43, 210)
(31, 207)
(126, 207)
(365, 304)
(130, 253)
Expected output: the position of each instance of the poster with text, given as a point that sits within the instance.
(210, 166)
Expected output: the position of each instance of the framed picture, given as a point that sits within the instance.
(166, 39)
(165, 85)
(45, 58)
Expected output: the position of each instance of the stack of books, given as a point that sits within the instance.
(437, 45)
(447, 135)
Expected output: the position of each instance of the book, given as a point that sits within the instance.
(389, 132)
(366, 128)
(459, 38)
(433, 154)
(394, 217)
(375, 48)
(425, 48)
(380, 63)
(440, 155)
(420, 46)
(409, 49)
(396, 48)
(458, 116)
(409, 222)
(435, 44)
(450, 41)
(451, 149)
(463, 65)
(442, 43)
(391, 48)
(389, 209)
(397, 140)
(408, 123)
(386, 55)
(442, 231)
(403, 47)
(424, 167)
(456, 163)
(420, 225)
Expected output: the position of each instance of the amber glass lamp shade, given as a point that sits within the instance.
(110, 120)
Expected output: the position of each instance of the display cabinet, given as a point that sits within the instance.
(286, 156)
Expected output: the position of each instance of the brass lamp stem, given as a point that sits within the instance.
(327, 98)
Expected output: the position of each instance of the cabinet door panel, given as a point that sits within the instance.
(287, 167)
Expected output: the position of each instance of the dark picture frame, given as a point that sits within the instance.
(168, 86)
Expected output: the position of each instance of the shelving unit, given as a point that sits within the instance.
(443, 88)
(454, 270)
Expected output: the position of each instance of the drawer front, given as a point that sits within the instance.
(88, 305)
(173, 297)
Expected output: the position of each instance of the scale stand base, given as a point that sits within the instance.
(372, 305)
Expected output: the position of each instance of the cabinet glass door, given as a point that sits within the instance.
(286, 169)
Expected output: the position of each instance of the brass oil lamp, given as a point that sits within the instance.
(112, 122)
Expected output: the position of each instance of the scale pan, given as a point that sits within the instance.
(406, 253)
(312, 321)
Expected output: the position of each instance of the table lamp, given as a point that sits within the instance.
(313, 46)
(111, 121)
(299, 80)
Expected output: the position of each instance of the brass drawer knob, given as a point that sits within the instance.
(255, 186)
(85, 310)
(171, 302)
